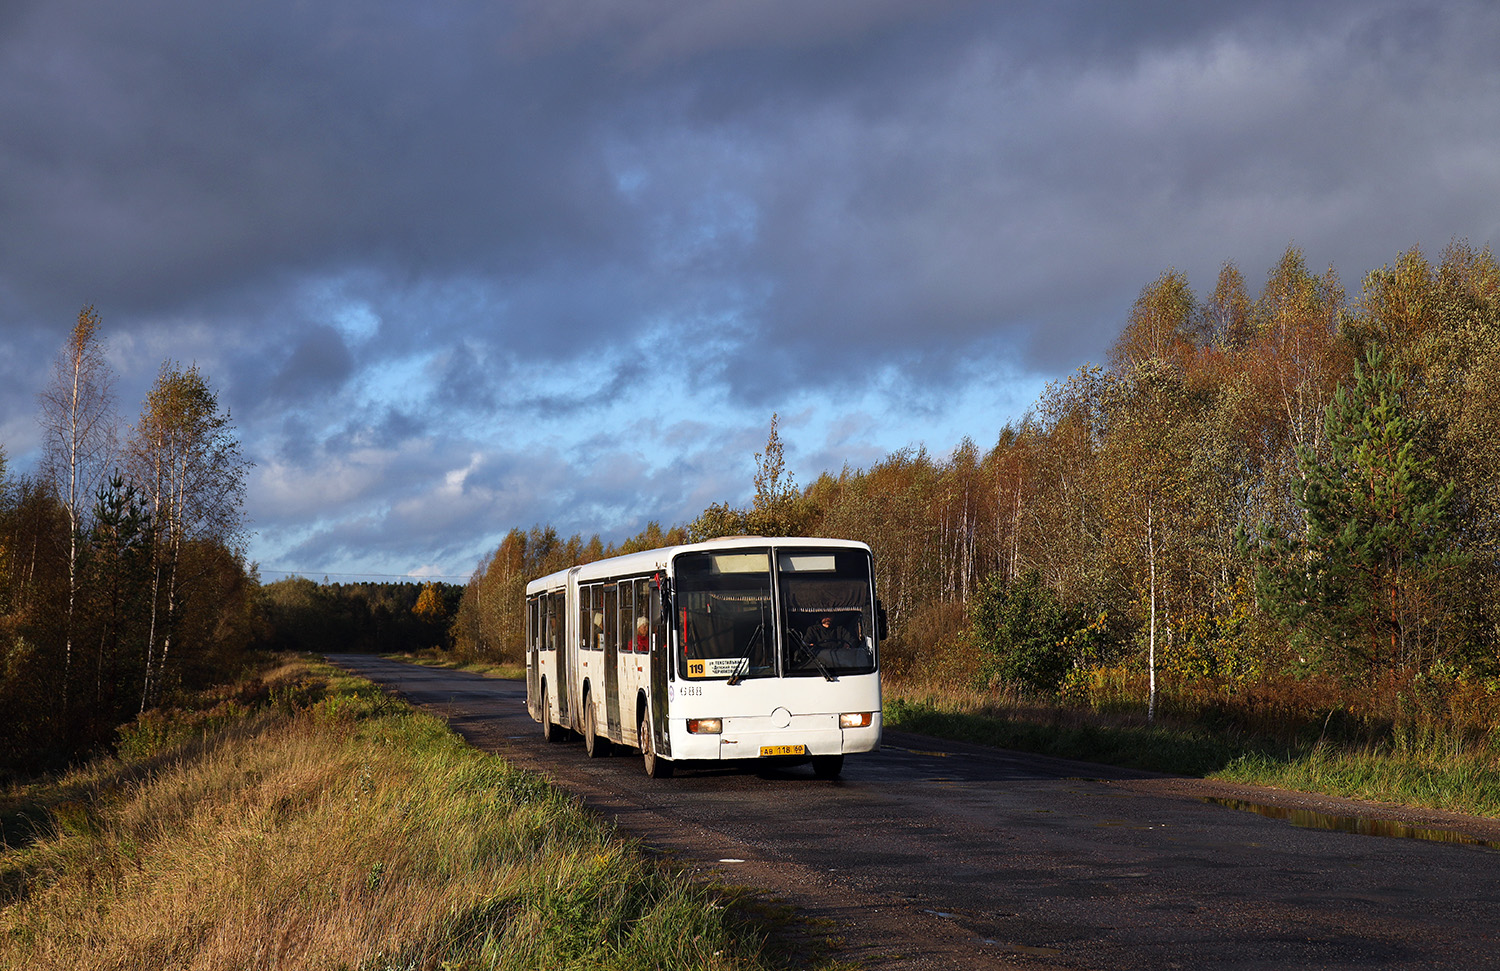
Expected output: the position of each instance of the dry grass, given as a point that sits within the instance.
(346, 833)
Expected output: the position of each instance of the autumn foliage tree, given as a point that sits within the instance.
(185, 456)
(118, 583)
(78, 422)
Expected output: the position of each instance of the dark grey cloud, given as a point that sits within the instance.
(319, 361)
(170, 152)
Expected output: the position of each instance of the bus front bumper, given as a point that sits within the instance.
(739, 743)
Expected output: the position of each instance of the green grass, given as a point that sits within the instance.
(331, 827)
(1462, 784)
(1452, 777)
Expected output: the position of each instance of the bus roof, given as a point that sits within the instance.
(650, 561)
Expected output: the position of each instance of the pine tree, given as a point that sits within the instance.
(1379, 531)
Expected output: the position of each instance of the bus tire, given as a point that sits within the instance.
(656, 766)
(827, 766)
(594, 746)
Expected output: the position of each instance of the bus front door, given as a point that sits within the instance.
(661, 667)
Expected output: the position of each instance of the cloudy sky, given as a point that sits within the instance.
(458, 266)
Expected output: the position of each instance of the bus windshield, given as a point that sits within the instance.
(723, 602)
(827, 611)
(727, 618)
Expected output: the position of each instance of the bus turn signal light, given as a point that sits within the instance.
(856, 719)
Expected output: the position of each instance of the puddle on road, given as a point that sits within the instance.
(916, 751)
(1311, 819)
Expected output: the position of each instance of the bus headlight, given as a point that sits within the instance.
(705, 726)
(856, 719)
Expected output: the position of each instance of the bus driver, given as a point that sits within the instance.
(825, 635)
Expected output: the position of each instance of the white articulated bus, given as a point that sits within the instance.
(747, 647)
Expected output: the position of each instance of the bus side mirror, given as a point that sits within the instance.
(882, 626)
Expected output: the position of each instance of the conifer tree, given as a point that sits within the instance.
(1379, 531)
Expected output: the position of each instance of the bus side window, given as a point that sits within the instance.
(642, 610)
(583, 617)
(545, 620)
(596, 618)
(627, 616)
(555, 607)
(611, 626)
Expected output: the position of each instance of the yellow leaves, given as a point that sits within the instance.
(429, 607)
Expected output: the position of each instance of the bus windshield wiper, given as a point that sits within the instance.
(744, 665)
(827, 674)
(810, 653)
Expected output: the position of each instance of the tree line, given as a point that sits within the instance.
(122, 573)
(1295, 484)
(298, 614)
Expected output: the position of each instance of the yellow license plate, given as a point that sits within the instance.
(766, 750)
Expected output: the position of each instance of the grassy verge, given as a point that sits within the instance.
(327, 826)
(1454, 777)
(1464, 783)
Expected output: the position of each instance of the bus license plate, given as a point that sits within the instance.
(766, 750)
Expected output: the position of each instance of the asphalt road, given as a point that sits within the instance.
(932, 854)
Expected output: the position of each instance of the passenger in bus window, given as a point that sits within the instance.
(641, 644)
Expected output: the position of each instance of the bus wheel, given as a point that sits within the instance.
(592, 743)
(656, 767)
(828, 766)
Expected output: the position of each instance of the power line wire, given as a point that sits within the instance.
(391, 576)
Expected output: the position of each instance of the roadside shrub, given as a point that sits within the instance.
(1029, 635)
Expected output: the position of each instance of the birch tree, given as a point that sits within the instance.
(185, 458)
(78, 423)
(1147, 456)
(774, 510)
